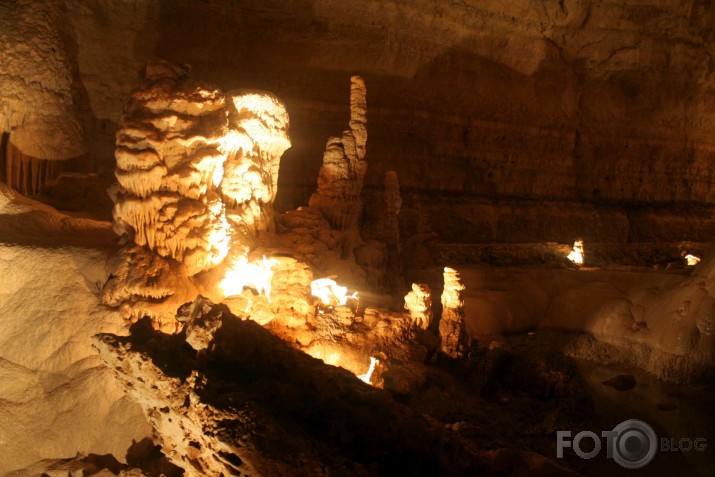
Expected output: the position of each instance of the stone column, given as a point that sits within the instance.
(419, 303)
(452, 330)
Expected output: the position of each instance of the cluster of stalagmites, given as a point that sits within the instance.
(197, 172)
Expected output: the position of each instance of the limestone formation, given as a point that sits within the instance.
(418, 303)
(187, 161)
(39, 125)
(341, 177)
(202, 319)
(452, 329)
(170, 159)
(198, 173)
(258, 136)
(222, 420)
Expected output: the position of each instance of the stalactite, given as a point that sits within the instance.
(28, 175)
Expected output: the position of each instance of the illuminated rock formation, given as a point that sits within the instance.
(576, 255)
(258, 136)
(452, 329)
(341, 177)
(198, 175)
(419, 304)
(169, 162)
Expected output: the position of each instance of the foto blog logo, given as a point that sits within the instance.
(632, 444)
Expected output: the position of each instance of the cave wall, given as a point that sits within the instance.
(543, 120)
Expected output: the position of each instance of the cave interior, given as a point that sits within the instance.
(366, 238)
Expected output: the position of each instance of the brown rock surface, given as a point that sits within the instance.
(587, 104)
(341, 177)
(225, 410)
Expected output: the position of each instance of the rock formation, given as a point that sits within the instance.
(217, 413)
(380, 256)
(419, 304)
(327, 233)
(40, 131)
(341, 177)
(169, 163)
(452, 328)
(257, 138)
(198, 173)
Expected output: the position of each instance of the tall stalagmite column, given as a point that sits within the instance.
(452, 330)
(341, 177)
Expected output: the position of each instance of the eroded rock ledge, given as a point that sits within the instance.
(247, 403)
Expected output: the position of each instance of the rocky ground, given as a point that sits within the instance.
(283, 413)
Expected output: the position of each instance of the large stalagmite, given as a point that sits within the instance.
(452, 328)
(198, 173)
(341, 177)
(169, 160)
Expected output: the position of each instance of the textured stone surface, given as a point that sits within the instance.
(418, 303)
(39, 116)
(580, 102)
(452, 326)
(198, 173)
(341, 177)
(226, 410)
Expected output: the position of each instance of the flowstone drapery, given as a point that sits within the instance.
(197, 172)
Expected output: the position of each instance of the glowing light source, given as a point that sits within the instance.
(368, 375)
(242, 273)
(576, 255)
(330, 293)
(691, 260)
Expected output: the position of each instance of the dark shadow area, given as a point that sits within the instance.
(294, 405)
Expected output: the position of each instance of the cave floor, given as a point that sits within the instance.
(520, 393)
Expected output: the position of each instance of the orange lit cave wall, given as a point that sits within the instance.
(506, 122)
